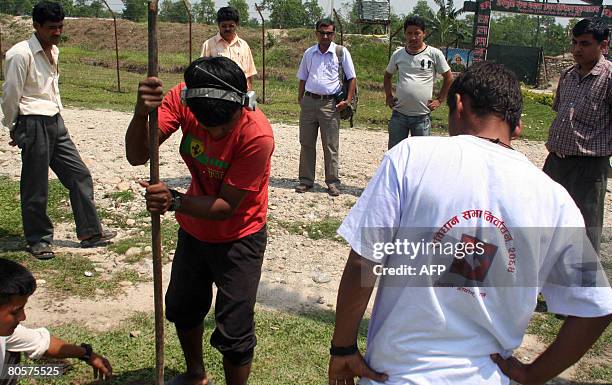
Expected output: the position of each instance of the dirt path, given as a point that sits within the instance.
(299, 273)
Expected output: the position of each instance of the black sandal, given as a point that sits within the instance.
(41, 251)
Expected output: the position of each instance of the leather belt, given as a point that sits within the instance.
(316, 96)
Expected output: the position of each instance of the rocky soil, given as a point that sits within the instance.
(299, 273)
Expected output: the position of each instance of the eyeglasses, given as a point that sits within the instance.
(325, 33)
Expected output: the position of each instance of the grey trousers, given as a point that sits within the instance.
(315, 114)
(585, 178)
(45, 143)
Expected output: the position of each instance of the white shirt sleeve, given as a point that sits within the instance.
(347, 65)
(33, 342)
(375, 218)
(575, 282)
(392, 66)
(12, 89)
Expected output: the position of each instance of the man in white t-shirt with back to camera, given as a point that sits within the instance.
(417, 65)
(464, 232)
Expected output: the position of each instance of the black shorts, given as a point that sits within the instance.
(235, 268)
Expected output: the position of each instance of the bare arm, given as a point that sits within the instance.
(221, 207)
(150, 95)
(61, 349)
(301, 89)
(249, 83)
(354, 294)
(447, 81)
(576, 336)
(389, 99)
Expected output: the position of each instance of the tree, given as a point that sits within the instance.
(314, 12)
(135, 10)
(444, 26)
(423, 10)
(205, 12)
(243, 10)
(16, 7)
(95, 8)
(286, 13)
(173, 11)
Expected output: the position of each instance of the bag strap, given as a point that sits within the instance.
(340, 54)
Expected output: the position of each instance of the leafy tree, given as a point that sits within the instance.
(422, 9)
(243, 10)
(68, 6)
(314, 12)
(95, 8)
(205, 12)
(173, 11)
(444, 27)
(135, 10)
(16, 7)
(286, 13)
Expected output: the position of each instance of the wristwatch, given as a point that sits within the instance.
(341, 351)
(175, 204)
(88, 352)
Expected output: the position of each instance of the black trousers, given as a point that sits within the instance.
(45, 143)
(585, 178)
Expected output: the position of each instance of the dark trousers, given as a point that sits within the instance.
(45, 143)
(11, 358)
(585, 178)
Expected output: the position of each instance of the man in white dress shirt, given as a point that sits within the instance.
(318, 88)
(31, 106)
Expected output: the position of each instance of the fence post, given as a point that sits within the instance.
(263, 53)
(1, 56)
(341, 27)
(116, 46)
(188, 8)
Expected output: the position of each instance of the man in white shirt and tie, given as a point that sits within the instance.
(31, 106)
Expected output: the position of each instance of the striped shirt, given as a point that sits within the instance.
(583, 126)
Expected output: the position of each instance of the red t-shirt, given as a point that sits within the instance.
(240, 159)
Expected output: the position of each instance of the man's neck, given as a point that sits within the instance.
(586, 68)
(324, 48)
(46, 47)
(417, 50)
(230, 40)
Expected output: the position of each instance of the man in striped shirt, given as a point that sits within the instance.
(580, 137)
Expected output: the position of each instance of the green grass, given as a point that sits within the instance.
(65, 275)
(121, 196)
(89, 80)
(10, 210)
(169, 231)
(291, 349)
(321, 229)
(595, 366)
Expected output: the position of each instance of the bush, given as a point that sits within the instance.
(545, 99)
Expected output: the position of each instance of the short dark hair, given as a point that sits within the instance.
(414, 20)
(492, 89)
(48, 11)
(214, 112)
(594, 26)
(14, 280)
(326, 22)
(228, 14)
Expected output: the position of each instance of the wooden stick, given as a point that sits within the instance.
(155, 222)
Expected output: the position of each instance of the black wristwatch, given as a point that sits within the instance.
(88, 352)
(340, 351)
(175, 204)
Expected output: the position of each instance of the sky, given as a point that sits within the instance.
(398, 6)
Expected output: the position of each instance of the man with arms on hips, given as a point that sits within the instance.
(31, 106)
(227, 147)
(580, 137)
(16, 285)
(460, 327)
(317, 94)
(227, 43)
(417, 65)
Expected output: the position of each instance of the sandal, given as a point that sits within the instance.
(101, 239)
(41, 251)
(180, 380)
